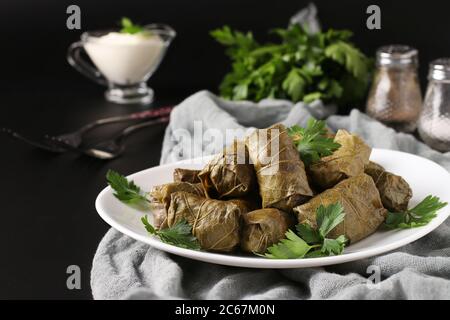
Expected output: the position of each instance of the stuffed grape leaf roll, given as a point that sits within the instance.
(280, 173)
(395, 192)
(186, 175)
(347, 161)
(358, 195)
(264, 227)
(160, 197)
(230, 174)
(215, 223)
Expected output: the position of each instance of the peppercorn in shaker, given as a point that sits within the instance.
(434, 123)
(395, 97)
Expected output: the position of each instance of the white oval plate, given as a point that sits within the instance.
(424, 176)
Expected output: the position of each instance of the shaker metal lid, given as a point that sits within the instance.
(397, 54)
(440, 69)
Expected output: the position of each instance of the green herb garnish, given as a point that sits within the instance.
(309, 242)
(299, 67)
(129, 27)
(418, 216)
(180, 234)
(126, 191)
(312, 142)
(293, 247)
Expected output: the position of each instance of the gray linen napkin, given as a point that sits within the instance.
(127, 269)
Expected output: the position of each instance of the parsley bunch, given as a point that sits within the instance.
(309, 242)
(313, 141)
(418, 216)
(300, 67)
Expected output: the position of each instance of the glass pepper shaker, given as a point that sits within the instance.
(395, 97)
(434, 123)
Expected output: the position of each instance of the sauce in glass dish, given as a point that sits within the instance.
(125, 58)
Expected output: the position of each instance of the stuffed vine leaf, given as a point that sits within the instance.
(215, 223)
(262, 228)
(186, 175)
(395, 192)
(280, 172)
(358, 195)
(230, 174)
(347, 161)
(160, 199)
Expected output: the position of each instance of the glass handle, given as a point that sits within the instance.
(75, 60)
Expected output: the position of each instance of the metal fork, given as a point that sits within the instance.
(43, 144)
(74, 139)
(113, 148)
(70, 141)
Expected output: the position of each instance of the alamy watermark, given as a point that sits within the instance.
(374, 20)
(73, 21)
(373, 281)
(73, 281)
(201, 141)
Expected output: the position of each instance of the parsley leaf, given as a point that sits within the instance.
(307, 233)
(294, 84)
(329, 217)
(180, 234)
(348, 56)
(332, 247)
(129, 27)
(126, 191)
(418, 216)
(293, 247)
(312, 142)
(311, 243)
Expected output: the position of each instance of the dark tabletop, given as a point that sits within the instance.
(47, 201)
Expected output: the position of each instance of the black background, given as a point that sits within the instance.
(35, 37)
(48, 220)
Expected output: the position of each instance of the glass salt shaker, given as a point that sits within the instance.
(395, 97)
(434, 123)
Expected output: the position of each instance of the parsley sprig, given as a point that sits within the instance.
(180, 234)
(309, 242)
(124, 190)
(129, 27)
(312, 142)
(418, 216)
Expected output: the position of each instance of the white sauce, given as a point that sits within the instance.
(125, 58)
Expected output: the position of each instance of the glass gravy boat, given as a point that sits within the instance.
(122, 62)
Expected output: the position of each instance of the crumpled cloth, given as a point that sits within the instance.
(127, 269)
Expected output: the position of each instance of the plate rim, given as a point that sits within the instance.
(263, 263)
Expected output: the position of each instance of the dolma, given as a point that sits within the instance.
(230, 174)
(186, 175)
(215, 223)
(159, 214)
(160, 199)
(373, 168)
(347, 161)
(395, 192)
(358, 195)
(247, 203)
(280, 172)
(262, 228)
